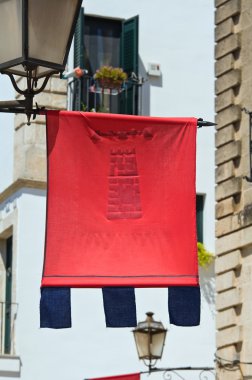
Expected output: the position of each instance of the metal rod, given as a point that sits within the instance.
(204, 123)
(13, 104)
(19, 106)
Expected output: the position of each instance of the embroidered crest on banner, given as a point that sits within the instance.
(124, 192)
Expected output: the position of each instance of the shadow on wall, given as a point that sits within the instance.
(207, 286)
(144, 91)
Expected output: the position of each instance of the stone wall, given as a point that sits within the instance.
(30, 140)
(233, 69)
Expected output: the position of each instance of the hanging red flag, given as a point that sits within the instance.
(121, 201)
(132, 376)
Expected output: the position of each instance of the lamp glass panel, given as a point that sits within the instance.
(157, 344)
(50, 23)
(38, 73)
(10, 30)
(142, 343)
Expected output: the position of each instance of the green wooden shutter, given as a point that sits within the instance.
(129, 62)
(8, 297)
(78, 60)
(199, 216)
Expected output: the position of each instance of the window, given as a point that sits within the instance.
(7, 307)
(199, 217)
(104, 41)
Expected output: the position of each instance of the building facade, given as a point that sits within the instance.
(233, 35)
(183, 88)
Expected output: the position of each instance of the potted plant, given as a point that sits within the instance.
(110, 77)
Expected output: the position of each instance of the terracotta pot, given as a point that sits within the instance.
(109, 83)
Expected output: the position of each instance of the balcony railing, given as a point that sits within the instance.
(84, 94)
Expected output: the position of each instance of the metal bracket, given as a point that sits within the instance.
(176, 372)
(22, 106)
(25, 105)
(204, 123)
(249, 179)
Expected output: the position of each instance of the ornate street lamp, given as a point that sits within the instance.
(150, 339)
(35, 38)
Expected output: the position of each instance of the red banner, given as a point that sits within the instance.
(121, 201)
(133, 376)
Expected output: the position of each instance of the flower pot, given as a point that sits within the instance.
(109, 83)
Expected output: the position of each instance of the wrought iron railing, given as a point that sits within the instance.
(86, 92)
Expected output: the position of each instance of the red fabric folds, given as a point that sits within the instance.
(121, 201)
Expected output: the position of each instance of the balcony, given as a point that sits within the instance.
(84, 94)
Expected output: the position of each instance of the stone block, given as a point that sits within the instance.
(226, 318)
(19, 138)
(228, 9)
(40, 119)
(231, 335)
(48, 85)
(224, 99)
(224, 64)
(224, 29)
(247, 196)
(246, 370)
(228, 152)
(224, 208)
(246, 347)
(219, 2)
(245, 215)
(40, 134)
(245, 19)
(224, 136)
(227, 262)
(226, 81)
(227, 225)
(19, 163)
(228, 352)
(223, 374)
(228, 188)
(247, 275)
(225, 281)
(227, 45)
(230, 298)
(29, 134)
(19, 121)
(228, 116)
(59, 85)
(52, 101)
(35, 163)
(224, 172)
(234, 241)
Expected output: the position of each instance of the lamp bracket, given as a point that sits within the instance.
(22, 106)
(25, 105)
(204, 373)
